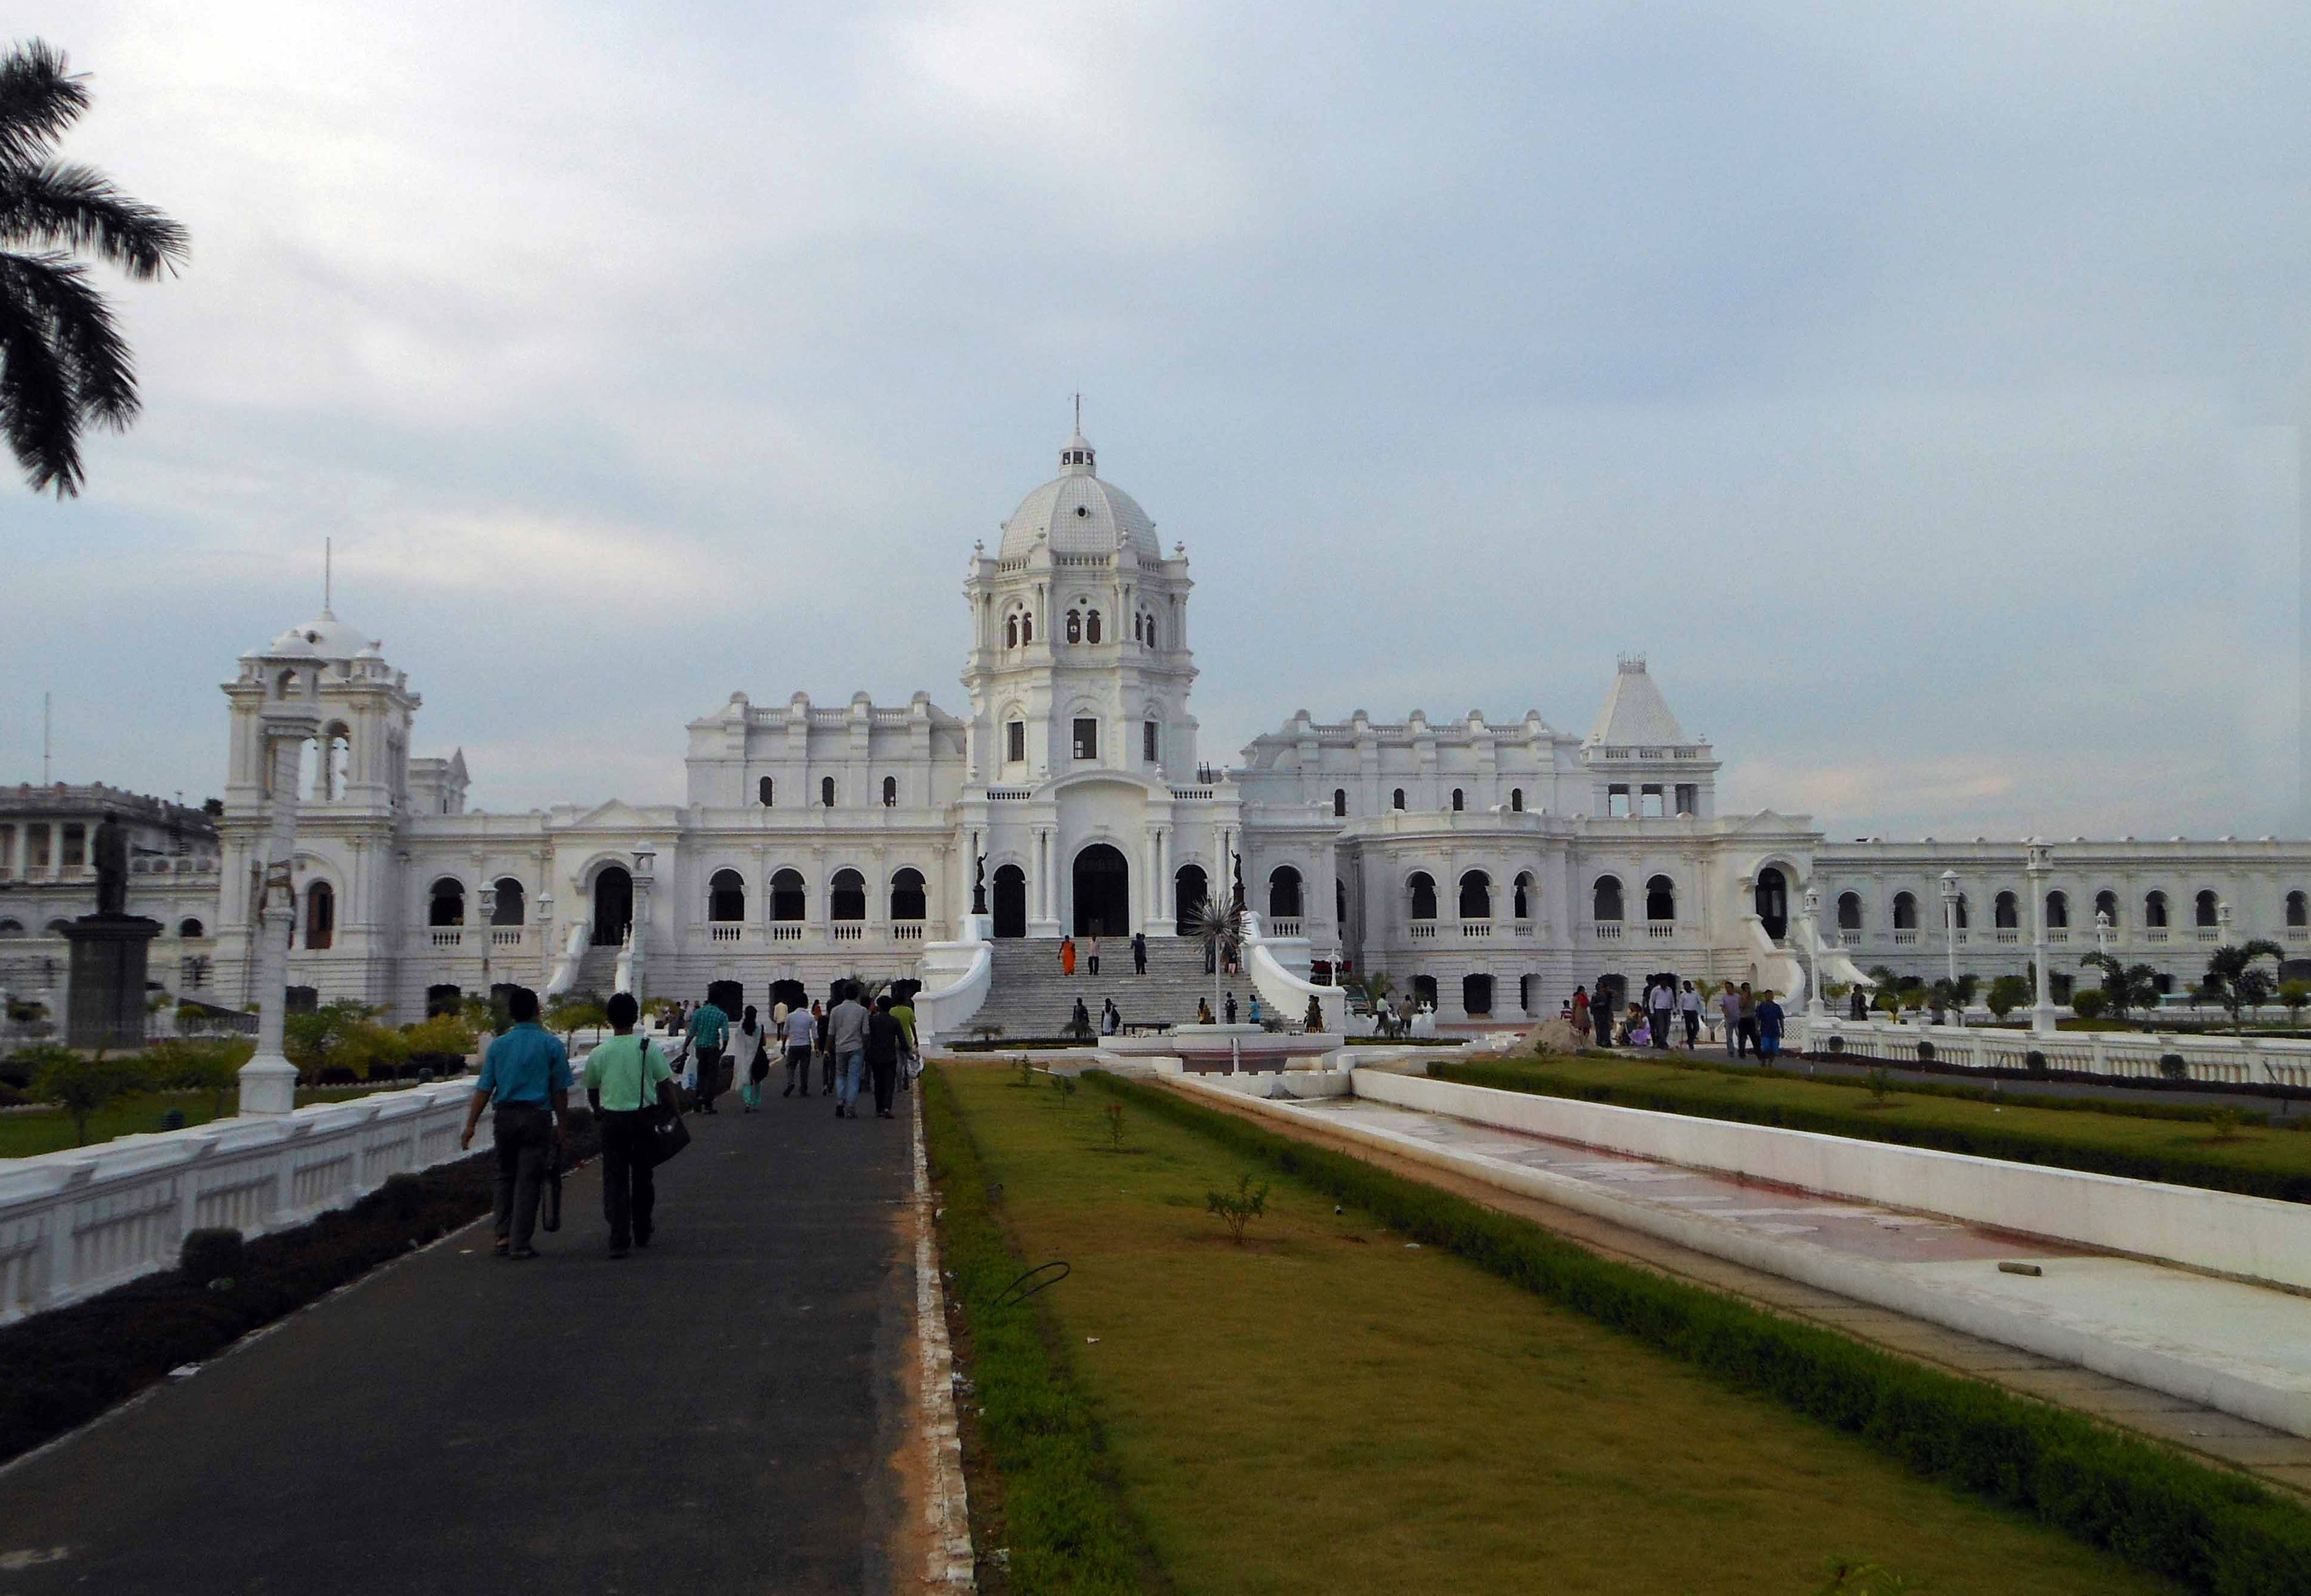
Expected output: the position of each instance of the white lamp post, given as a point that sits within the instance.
(289, 717)
(1815, 1012)
(1949, 923)
(489, 901)
(2037, 859)
(645, 863)
(545, 940)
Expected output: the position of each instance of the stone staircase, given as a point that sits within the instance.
(1029, 997)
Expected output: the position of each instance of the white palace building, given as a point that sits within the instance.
(1488, 865)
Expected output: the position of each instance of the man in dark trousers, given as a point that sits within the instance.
(886, 1039)
(625, 1076)
(1138, 953)
(527, 1074)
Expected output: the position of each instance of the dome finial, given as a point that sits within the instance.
(1077, 458)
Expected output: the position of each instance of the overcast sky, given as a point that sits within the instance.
(1917, 386)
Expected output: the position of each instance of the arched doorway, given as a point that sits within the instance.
(1009, 902)
(1190, 888)
(730, 997)
(790, 992)
(1774, 903)
(614, 906)
(1103, 893)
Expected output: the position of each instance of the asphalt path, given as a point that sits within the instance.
(721, 1412)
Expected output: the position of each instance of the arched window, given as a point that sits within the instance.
(1605, 901)
(907, 902)
(1339, 907)
(1476, 895)
(1423, 887)
(846, 897)
(826, 792)
(1520, 898)
(1849, 912)
(1027, 627)
(1284, 892)
(1957, 913)
(1516, 800)
(510, 906)
(2154, 911)
(1476, 994)
(765, 789)
(186, 928)
(446, 904)
(1339, 802)
(1458, 802)
(321, 916)
(1136, 629)
(2005, 913)
(1661, 900)
(1189, 890)
(725, 897)
(1397, 802)
(890, 792)
(1905, 913)
(2058, 910)
(1091, 627)
(2298, 909)
(787, 898)
(1011, 632)
(2107, 904)
(1074, 626)
(1772, 896)
(2204, 907)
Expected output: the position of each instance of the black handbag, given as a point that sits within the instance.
(668, 1135)
(550, 1218)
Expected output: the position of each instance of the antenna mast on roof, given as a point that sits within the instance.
(1078, 414)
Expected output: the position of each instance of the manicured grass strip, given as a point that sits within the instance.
(1067, 1528)
(2144, 1147)
(2161, 1513)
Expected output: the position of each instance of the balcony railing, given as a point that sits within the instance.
(2155, 936)
(2057, 936)
(907, 931)
(2007, 938)
(1659, 931)
(2209, 934)
(1476, 927)
(1609, 930)
(1286, 927)
(847, 931)
(728, 933)
(1906, 938)
(505, 936)
(788, 933)
(1423, 930)
(447, 937)
(1524, 928)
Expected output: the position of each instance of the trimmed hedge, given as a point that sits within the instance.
(2015, 1147)
(2158, 1511)
(62, 1368)
(1063, 1517)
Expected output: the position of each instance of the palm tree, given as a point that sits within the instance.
(2234, 980)
(2126, 986)
(63, 363)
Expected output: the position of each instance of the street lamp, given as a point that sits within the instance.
(545, 940)
(489, 900)
(2038, 859)
(1949, 921)
(645, 862)
(1815, 1011)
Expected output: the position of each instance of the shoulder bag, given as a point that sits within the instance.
(668, 1134)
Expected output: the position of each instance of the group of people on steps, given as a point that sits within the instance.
(1752, 1021)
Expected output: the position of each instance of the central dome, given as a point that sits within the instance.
(1079, 513)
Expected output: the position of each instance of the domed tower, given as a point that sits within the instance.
(1079, 653)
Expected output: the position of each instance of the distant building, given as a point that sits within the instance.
(48, 877)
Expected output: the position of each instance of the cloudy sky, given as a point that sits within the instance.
(1917, 386)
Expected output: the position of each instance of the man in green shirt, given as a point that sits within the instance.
(709, 1028)
(626, 1079)
(910, 1064)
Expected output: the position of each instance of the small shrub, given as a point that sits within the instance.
(2034, 1061)
(2227, 1123)
(1881, 1083)
(1115, 1126)
(81, 1087)
(1067, 1085)
(1236, 1208)
(1026, 1068)
(443, 1034)
(210, 1255)
(1836, 1045)
(2172, 1066)
(1925, 1052)
(404, 1195)
(2090, 1004)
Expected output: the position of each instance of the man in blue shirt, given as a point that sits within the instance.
(527, 1074)
(709, 1028)
(1769, 1028)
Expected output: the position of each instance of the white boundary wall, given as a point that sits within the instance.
(2232, 1060)
(2254, 1238)
(75, 1223)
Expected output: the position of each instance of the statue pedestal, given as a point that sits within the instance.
(105, 1006)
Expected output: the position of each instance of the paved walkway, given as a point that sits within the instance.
(726, 1411)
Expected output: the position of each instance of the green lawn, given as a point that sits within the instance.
(46, 1130)
(1327, 1409)
(2267, 1161)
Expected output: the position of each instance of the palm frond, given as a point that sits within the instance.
(56, 206)
(39, 100)
(63, 364)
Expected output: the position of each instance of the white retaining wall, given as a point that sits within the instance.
(2232, 1060)
(2254, 1238)
(78, 1222)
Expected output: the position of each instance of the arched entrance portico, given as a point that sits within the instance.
(1103, 892)
(1189, 891)
(1007, 902)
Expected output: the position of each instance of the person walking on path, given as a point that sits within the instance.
(798, 1034)
(846, 1037)
(825, 1051)
(1729, 1006)
(1581, 1012)
(1688, 1004)
(1091, 953)
(1659, 998)
(527, 1074)
(1111, 1018)
(709, 1029)
(1748, 1039)
(626, 1076)
(910, 1062)
(886, 1042)
(1138, 953)
(1768, 1022)
(752, 1061)
(1067, 955)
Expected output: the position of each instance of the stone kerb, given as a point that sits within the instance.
(84, 1219)
(2250, 1238)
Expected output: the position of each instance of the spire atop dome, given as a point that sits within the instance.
(1077, 456)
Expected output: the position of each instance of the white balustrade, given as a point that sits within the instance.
(1608, 931)
(446, 937)
(1423, 930)
(81, 1221)
(728, 933)
(2253, 1060)
(847, 931)
(1471, 929)
(1284, 928)
(907, 931)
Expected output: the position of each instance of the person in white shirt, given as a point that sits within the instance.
(797, 1033)
(1659, 998)
(1688, 1004)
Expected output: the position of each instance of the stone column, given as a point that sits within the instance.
(268, 1081)
(2037, 859)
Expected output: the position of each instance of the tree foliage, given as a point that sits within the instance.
(81, 1086)
(2236, 980)
(2007, 994)
(2125, 986)
(64, 363)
